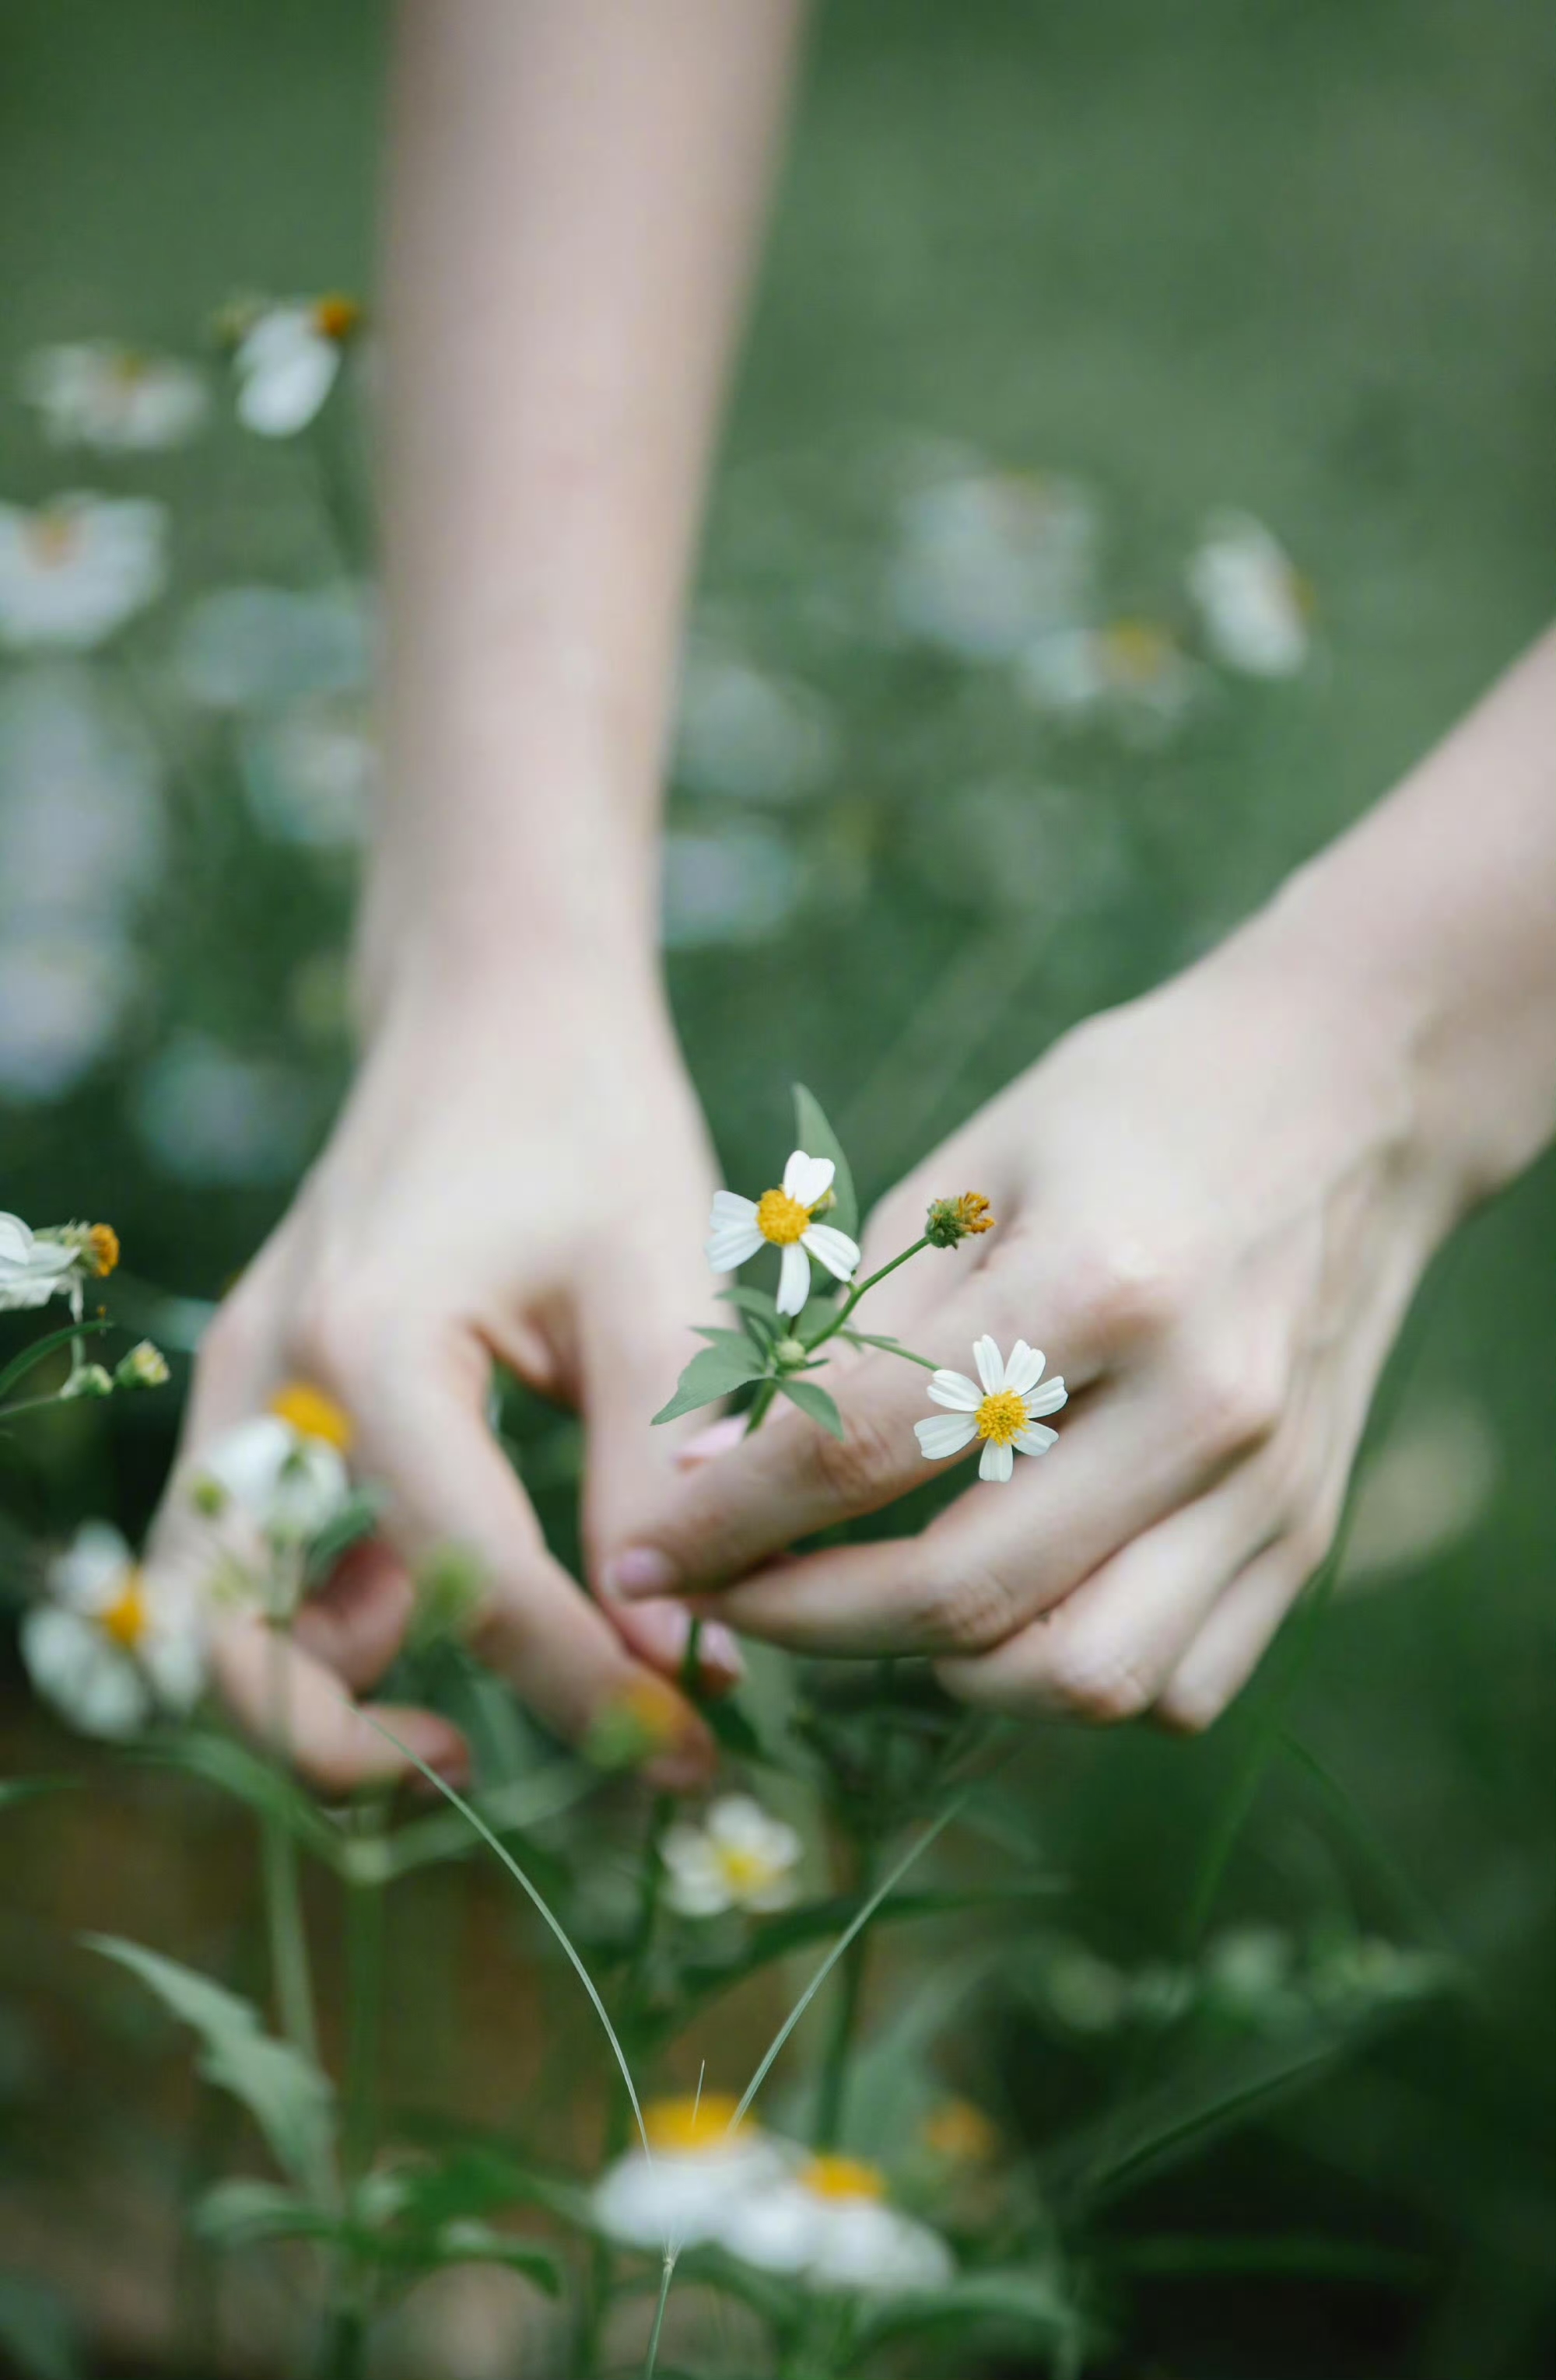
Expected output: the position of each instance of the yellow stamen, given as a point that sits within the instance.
(685, 2127)
(973, 1211)
(781, 1219)
(1002, 1418)
(336, 317)
(125, 1618)
(103, 1247)
(313, 1415)
(961, 2134)
(1137, 652)
(831, 2175)
(53, 537)
(746, 1871)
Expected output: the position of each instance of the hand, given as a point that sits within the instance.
(511, 1179)
(1212, 1213)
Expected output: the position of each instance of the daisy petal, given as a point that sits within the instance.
(794, 1280)
(1036, 1440)
(730, 1208)
(832, 1248)
(1024, 1369)
(990, 1365)
(954, 1388)
(1048, 1399)
(944, 1434)
(808, 1178)
(998, 1461)
(730, 1247)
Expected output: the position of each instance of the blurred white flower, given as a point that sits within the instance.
(78, 568)
(1002, 1406)
(739, 1228)
(740, 885)
(679, 2196)
(308, 775)
(255, 648)
(985, 561)
(738, 1857)
(80, 817)
(828, 2224)
(1253, 604)
(1248, 1971)
(285, 1469)
(1426, 1489)
(114, 398)
(63, 991)
(1133, 672)
(1086, 1993)
(113, 1644)
(287, 360)
(213, 1119)
(744, 733)
(34, 1266)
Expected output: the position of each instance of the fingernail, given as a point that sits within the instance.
(719, 1651)
(641, 1570)
(661, 1631)
(717, 1438)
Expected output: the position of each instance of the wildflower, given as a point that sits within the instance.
(960, 2134)
(78, 568)
(287, 360)
(1252, 602)
(740, 1857)
(88, 1380)
(114, 398)
(1004, 1411)
(111, 1645)
(951, 1220)
(783, 1219)
(34, 1266)
(1133, 671)
(1086, 1993)
(701, 2161)
(829, 2224)
(649, 1717)
(145, 1367)
(285, 1468)
(985, 561)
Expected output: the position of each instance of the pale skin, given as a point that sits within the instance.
(1214, 1205)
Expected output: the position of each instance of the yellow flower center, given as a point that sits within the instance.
(52, 538)
(313, 1415)
(129, 368)
(1137, 652)
(102, 1242)
(689, 2127)
(336, 317)
(124, 1619)
(831, 2175)
(744, 1870)
(781, 1219)
(1002, 1418)
(961, 2134)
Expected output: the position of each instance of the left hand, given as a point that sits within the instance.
(1213, 1208)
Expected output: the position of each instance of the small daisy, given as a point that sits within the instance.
(114, 398)
(284, 1468)
(680, 2193)
(828, 2223)
(1004, 1411)
(112, 1646)
(740, 1857)
(1252, 601)
(78, 568)
(288, 359)
(781, 1219)
(34, 1266)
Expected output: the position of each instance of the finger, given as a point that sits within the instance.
(1239, 1633)
(356, 1622)
(996, 1559)
(287, 1700)
(1105, 1651)
(791, 1476)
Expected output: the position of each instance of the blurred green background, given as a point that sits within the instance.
(1295, 260)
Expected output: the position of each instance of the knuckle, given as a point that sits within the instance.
(859, 1469)
(1233, 1407)
(340, 1334)
(1096, 1684)
(1126, 1291)
(970, 1613)
(1190, 1709)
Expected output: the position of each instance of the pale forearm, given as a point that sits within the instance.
(577, 190)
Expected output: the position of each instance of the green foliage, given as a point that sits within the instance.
(815, 1404)
(716, 1373)
(816, 1136)
(38, 2332)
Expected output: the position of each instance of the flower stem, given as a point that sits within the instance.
(364, 1998)
(283, 1887)
(832, 2091)
(862, 1289)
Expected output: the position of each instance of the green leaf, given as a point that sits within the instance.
(816, 1136)
(19, 1365)
(756, 1302)
(222, 1761)
(357, 1519)
(1017, 2302)
(290, 2100)
(712, 1375)
(814, 1402)
(729, 1723)
(239, 2213)
(467, 2241)
(738, 1342)
(16, 1789)
(38, 2332)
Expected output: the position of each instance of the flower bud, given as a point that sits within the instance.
(790, 1351)
(89, 1380)
(145, 1367)
(951, 1220)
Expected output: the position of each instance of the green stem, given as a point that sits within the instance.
(833, 2087)
(364, 2001)
(666, 2276)
(862, 1289)
(283, 1886)
(345, 2355)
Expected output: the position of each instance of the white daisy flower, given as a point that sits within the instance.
(1251, 600)
(781, 1219)
(740, 1857)
(78, 568)
(114, 398)
(828, 2224)
(987, 560)
(112, 1646)
(287, 360)
(1132, 671)
(285, 1469)
(1002, 1406)
(679, 2195)
(34, 1266)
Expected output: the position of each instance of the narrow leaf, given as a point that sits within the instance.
(711, 1375)
(739, 1342)
(889, 1346)
(815, 1402)
(757, 1303)
(817, 1137)
(19, 1365)
(238, 2212)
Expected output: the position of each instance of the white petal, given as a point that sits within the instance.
(794, 1280)
(695, 1885)
(731, 1246)
(741, 1823)
(954, 1388)
(89, 1680)
(730, 1208)
(867, 2246)
(780, 2231)
(1036, 1440)
(286, 369)
(1048, 1397)
(998, 1461)
(678, 2201)
(990, 1365)
(808, 1178)
(832, 1248)
(1024, 1369)
(941, 1435)
(90, 1573)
